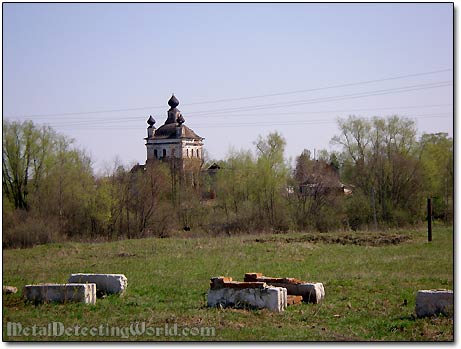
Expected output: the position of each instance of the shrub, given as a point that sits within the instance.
(358, 210)
(21, 230)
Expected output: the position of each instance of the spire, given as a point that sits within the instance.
(173, 102)
(151, 121)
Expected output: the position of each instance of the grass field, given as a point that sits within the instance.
(370, 282)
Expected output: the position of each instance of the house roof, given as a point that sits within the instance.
(214, 166)
(169, 131)
(323, 174)
(174, 120)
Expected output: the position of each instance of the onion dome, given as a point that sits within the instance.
(180, 119)
(173, 102)
(151, 121)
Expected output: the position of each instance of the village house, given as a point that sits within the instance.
(324, 179)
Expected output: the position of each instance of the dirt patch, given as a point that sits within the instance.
(364, 239)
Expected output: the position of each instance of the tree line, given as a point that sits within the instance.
(378, 178)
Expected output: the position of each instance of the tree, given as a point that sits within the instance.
(234, 190)
(437, 162)
(381, 158)
(25, 156)
(317, 198)
(47, 179)
(271, 178)
(303, 166)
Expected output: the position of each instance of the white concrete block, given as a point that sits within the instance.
(9, 289)
(105, 283)
(272, 298)
(61, 293)
(311, 292)
(434, 302)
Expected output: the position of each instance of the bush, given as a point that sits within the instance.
(328, 219)
(358, 210)
(21, 230)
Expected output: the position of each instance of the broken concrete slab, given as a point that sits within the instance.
(224, 292)
(226, 282)
(61, 293)
(9, 289)
(434, 302)
(105, 283)
(311, 292)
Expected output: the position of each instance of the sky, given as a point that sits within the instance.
(95, 72)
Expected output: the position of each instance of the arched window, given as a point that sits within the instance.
(187, 152)
(155, 153)
(164, 153)
(198, 153)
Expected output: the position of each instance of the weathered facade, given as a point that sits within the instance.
(177, 145)
(173, 140)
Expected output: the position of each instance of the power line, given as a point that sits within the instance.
(212, 113)
(242, 98)
(140, 118)
(105, 124)
(323, 88)
(329, 99)
(277, 123)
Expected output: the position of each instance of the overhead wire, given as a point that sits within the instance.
(236, 98)
(265, 123)
(331, 98)
(290, 103)
(297, 112)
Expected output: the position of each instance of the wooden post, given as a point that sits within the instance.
(429, 219)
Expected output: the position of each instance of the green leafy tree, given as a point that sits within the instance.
(381, 158)
(271, 179)
(437, 162)
(26, 152)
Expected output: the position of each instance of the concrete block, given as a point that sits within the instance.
(105, 283)
(61, 293)
(434, 302)
(9, 289)
(311, 292)
(272, 298)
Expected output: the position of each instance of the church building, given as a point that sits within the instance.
(175, 144)
(174, 141)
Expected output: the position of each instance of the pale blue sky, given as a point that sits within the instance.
(72, 58)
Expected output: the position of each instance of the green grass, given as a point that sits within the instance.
(168, 279)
